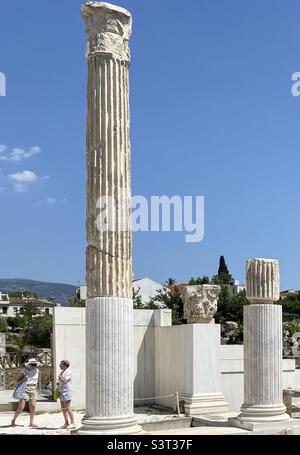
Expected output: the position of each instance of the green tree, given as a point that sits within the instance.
(200, 280)
(139, 305)
(20, 294)
(224, 306)
(238, 302)
(28, 313)
(290, 307)
(29, 310)
(39, 334)
(223, 267)
(15, 324)
(29, 326)
(3, 325)
(170, 281)
(230, 307)
(223, 276)
(151, 305)
(20, 341)
(77, 303)
(171, 299)
(41, 331)
(137, 300)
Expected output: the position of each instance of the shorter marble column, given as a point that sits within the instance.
(263, 390)
(202, 392)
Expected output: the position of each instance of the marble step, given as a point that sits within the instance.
(213, 420)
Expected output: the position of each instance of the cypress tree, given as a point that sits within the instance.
(223, 269)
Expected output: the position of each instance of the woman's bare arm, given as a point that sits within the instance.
(63, 380)
(21, 378)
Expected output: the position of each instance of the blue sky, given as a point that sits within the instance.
(212, 115)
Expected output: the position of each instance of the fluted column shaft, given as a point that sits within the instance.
(109, 328)
(263, 363)
(109, 266)
(109, 392)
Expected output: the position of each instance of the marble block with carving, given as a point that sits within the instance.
(200, 303)
(263, 280)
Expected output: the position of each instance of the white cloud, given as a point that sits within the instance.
(17, 154)
(20, 180)
(20, 187)
(23, 177)
(51, 200)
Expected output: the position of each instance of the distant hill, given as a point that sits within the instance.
(61, 293)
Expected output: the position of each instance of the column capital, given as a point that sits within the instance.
(108, 29)
(201, 303)
(263, 280)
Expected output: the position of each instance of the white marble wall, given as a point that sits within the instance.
(187, 361)
(232, 365)
(169, 349)
(143, 364)
(69, 342)
(157, 359)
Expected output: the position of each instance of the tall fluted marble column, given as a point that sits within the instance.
(109, 308)
(263, 396)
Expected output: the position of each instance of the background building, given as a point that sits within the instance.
(147, 288)
(81, 293)
(144, 287)
(287, 294)
(235, 287)
(11, 307)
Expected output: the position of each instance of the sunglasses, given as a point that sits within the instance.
(33, 364)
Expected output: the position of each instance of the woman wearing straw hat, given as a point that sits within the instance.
(29, 376)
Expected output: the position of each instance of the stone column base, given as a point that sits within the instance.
(204, 403)
(267, 417)
(263, 413)
(109, 426)
(109, 370)
(287, 426)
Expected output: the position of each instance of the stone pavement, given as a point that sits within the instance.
(51, 423)
(44, 404)
(202, 431)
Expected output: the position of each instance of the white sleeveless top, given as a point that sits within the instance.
(33, 376)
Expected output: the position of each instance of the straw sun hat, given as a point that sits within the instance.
(30, 361)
